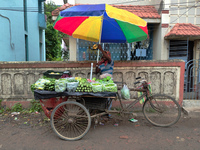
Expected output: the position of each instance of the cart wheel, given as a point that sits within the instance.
(70, 120)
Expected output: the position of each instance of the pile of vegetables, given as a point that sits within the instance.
(84, 86)
(97, 87)
(50, 86)
(44, 83)
(104, 80)
(60, 85)
(110, 87)
(75, 84)
(72, 84)
(40, 84)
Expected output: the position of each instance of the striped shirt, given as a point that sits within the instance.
(108, 68)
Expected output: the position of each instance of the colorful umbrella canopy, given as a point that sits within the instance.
(101, 23)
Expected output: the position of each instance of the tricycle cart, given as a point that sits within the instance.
(71, 120)
(69, 111)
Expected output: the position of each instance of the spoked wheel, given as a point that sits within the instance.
(70, 120)
(162, 110)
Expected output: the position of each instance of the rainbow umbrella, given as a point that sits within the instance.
(101, 23)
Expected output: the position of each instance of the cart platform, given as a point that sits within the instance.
(42, 94)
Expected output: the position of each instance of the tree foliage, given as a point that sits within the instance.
(53, 37)
(53, 43)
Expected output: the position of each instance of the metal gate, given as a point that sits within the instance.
(192, 80)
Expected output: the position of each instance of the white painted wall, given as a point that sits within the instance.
(157, 42)
(164, 43)
(184, 11)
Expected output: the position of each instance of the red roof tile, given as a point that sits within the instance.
(141, 11)
(184, 29)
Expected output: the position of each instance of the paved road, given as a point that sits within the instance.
(185, 135)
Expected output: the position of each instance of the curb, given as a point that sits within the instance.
(193, 111)
(192, 107)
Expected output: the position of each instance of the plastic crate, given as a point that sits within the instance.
(95, 103)
(56, 74)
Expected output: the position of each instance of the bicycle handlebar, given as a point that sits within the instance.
(142, 80)
(137, 79)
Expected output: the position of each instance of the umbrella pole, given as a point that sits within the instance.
(91, 71)
(98, 56)
(100, 38)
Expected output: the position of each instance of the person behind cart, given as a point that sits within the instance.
(105, 68)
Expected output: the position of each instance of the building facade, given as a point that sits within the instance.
(22, 25)
(161, 16)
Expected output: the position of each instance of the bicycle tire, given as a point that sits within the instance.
(70, 120)
(161, 110)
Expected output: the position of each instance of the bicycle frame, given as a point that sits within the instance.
(146, 93)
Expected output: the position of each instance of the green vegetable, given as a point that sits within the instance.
(97, 87)
(72, 80)
(108, 78)
(110, 81)
(40, 84)
(84, 85)
(60, 85)
(33, 87)
(110, 87)
(104, 79)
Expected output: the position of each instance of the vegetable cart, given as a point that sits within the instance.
(71, 120)
(69, 111)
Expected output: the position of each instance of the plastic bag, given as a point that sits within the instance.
(60, 85)
(125, 92)
(97, 87)
(71, 86)
(110, 87)
(40, 84)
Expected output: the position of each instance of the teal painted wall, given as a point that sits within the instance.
(13, 45)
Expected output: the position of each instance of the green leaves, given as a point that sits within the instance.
(53, 38)
(35, 106)
(17, 107)
(53, 43)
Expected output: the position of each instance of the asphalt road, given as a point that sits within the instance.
(185, 135)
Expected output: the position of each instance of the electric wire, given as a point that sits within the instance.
(35, 9)
(183, 14)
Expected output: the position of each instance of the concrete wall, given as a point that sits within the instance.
(166, 76)
(12, 37)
